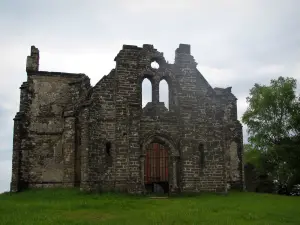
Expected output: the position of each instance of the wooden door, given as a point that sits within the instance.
(156, 164)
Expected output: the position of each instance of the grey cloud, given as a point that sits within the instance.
(221, 36)
(6, 122)
(5, 175)
(5, 155)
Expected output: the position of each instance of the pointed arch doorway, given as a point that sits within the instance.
(159, 164)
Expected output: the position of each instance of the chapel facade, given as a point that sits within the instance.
(68, 133)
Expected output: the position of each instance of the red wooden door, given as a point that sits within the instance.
(156, 164)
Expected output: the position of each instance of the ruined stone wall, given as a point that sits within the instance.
(234, 155)
(202, 169)
(19, 157)
(68, 133)
(132, 66)
(196, 116)
(128, 110)
(164, 124)
(233, 137)
(102, 121)
(52, 145)
(44, 134)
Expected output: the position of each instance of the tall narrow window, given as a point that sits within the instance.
(108, 154)
(108, 148)
(164, 93)
(202, 156)
(234, 162)
(77, 154)
(146, 92)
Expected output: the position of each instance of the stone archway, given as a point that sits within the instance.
(172, 154)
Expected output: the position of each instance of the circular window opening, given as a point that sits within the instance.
(154, 65)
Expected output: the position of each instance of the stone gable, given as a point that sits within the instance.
(70, 134)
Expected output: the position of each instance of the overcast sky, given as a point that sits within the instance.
(235, 42)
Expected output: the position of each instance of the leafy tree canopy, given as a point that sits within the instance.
(273, 121)
(272, 114)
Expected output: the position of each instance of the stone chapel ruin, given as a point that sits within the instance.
(68, 133)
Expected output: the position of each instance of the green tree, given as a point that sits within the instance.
(273, 123)
(254, 157)
(272, 111)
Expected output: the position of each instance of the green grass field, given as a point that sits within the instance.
(57, 207)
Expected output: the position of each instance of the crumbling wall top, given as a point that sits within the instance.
(32, 63)
(131, 47)
(148, 51)
(183, 57)
(184, 48)
(225, 92)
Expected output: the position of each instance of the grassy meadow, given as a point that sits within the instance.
(58, 206)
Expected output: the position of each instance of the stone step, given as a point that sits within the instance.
(156, 197)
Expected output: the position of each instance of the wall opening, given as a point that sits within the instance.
(202, 156)
(146, 92)
(234, 162)
(157, 168)
(108, 154)
(164, 93)
(108, 148)
(77, 154)
(154, 65)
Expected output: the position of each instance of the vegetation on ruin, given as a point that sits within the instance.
(58, 206)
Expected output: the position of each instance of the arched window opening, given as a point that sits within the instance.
(154, 65)
(234, 161)
(164, 93)
(202, 156)
(146, 92)
(108, 148)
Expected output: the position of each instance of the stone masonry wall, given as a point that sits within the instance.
(101, 167)
(49, 150)
(40, 137)
(197, 103)
(127, 165)
(68, 133)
